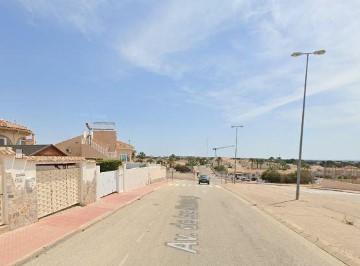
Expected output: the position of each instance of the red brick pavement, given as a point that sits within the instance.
(23, 243)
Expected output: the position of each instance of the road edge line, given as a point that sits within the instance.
(313, 239)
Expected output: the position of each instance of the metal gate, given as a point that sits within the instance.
(108, 182)
(57, 190)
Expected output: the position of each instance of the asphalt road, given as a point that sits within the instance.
(187, 224)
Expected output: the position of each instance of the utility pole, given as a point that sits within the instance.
(235, 149)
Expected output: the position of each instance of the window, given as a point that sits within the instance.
(21, 141)
(124, 157)
(4, 141)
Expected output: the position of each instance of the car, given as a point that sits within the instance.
(204, 179)
(245, 178)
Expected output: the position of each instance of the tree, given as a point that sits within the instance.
(284, 165)
(252, 160)
(191, 161)
(203, 161)
(133, 155)
(271, 162)
(219, 160)
(141, 157)
(261, 162)
(171, 160)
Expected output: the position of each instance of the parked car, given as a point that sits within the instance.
(245, 178)
(204, 179)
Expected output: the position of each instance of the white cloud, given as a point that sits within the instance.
(284, 28)
(232, 55)
(175, 28)
(83, 15)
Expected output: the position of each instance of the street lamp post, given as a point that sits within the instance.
(235, 149)
(295, 54)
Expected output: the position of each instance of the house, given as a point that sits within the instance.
(125, 151)
(37, 150)
(12, 134)
(99, 141)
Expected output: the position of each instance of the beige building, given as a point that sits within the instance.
(14, 134)
(98, 142)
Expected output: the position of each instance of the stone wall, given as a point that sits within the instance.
(89, 180)
(21, 206)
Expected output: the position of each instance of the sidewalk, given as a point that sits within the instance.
(27, 242)
(330, 221)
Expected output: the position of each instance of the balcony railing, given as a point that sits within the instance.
(99, 146)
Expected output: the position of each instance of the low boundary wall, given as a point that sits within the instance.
(328, 183)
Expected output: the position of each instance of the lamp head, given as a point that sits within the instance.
(296, 54)
(319, 52)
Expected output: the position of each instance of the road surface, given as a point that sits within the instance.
(187, 224)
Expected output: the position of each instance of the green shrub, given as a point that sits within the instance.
(220, 168)
(182, 168)
(274, 176)
(108, 165)
(271, 176)
(305, 177)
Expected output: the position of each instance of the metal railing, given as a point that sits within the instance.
(99, 146)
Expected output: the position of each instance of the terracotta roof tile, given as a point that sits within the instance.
(55, 159)
(11, 125)
(123, 145)
(6, 151)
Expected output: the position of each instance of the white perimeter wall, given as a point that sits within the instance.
(142, 176)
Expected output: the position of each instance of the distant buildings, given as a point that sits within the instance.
(15, 134)
(100, 141)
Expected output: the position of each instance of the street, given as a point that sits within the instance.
(187, 224)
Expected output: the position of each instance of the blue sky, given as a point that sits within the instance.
(175, 75)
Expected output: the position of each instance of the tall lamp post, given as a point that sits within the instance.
(295, 54)
(235, 149)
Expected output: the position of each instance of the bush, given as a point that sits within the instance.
(271, 176)
(108, 165)
(220, 168)
(182, 168)
(305, 177)
(274, 176)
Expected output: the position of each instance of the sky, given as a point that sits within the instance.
(175, 75)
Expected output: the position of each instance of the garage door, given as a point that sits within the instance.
(57, 190)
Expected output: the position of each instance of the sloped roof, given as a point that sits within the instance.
(10, 125)
(6, 151)
(123, 146)
(35, 149)
(55, 159)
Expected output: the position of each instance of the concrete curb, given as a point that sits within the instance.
(313, 239)
(82, 228)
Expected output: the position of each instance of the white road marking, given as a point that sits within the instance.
(140, 237)
(183, 246)
(183, 185)
(217, 186)
(124, 260)
(177, 185)
(151, 223)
